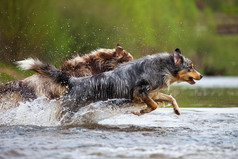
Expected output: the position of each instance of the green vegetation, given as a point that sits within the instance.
(9, 72)
(53, 30)
(5, 78)
(205, 97)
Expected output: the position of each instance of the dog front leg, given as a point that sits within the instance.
(168, 98)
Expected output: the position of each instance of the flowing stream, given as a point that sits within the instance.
(207, 127)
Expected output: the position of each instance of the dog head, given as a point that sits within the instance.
(185, 68)
(122, 55)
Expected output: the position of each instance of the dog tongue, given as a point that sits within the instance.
(192, 81)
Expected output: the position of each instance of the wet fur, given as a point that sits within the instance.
(37, 85)
(99, 61)
(138, 81)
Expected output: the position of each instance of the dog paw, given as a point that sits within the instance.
(136, 113)
(177, 112)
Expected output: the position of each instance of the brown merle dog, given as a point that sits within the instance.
(96, 62)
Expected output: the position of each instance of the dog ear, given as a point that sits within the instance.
(119, 51)
(177, 56)
(177, 50)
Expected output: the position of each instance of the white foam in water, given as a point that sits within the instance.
(42, 112)
(165, 117)
(98, 111)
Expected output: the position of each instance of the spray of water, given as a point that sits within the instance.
(42, 112)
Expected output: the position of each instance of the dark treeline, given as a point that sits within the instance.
(52, 30)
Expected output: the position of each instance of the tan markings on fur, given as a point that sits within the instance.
(153, 93)
(184, 75)
(136, 98)
(145, 99)
(160, 97)
(45, 86)
(168, 79)
(151, 105)
(96, 62)
(76, 59)
(155, 96)
(89, 64)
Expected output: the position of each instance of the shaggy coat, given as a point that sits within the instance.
(37, 85)
(138, 81)
(98, 61)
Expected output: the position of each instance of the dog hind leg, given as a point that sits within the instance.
(141, 94)
(151, 105)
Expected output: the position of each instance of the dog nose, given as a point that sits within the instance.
(201, 76)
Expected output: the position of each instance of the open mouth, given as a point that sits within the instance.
(191, 80)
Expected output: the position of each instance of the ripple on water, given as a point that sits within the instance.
(197, 133)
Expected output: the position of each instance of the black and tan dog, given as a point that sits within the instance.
(139, 81)
(36, 85)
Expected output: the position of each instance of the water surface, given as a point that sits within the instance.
(207, 128)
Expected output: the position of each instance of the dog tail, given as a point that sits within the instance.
(45, 69)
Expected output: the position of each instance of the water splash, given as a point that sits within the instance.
(98, 111)
(42, 112)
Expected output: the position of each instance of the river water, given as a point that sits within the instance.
(207, 128)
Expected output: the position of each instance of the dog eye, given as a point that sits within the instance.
(190, 69)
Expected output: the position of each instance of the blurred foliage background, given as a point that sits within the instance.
(205, 30)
